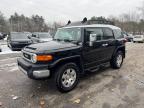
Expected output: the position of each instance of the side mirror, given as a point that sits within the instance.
(92, 38)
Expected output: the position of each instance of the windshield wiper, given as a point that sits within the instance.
(57, 39)
(67, 40)
(73, 41)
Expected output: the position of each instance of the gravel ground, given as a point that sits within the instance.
(106, 88)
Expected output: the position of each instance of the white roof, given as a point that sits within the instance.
(94, 25)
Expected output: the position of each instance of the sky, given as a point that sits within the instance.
(64, 10)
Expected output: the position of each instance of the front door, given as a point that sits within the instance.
(102, 48)
(92, 54)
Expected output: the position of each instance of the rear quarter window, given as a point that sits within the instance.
(107, 34)
(118, 34)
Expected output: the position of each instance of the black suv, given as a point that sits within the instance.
(18, 40)
(73, 51)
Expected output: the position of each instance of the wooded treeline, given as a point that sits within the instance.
(21, 23)
(131, 22)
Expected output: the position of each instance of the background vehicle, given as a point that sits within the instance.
(138, 38)
(1, 36)
(38, 37)
(18, 40)
(0, 48)
(74, 50)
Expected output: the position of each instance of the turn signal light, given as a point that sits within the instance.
(44, 57)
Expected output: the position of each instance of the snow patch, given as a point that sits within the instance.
(7, 50)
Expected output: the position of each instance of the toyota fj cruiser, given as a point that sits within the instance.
(75, 49)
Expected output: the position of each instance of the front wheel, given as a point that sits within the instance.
(117, 60)
(67, 77)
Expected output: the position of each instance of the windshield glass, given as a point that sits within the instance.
(19, 36)
(68, 34)
(44, 35)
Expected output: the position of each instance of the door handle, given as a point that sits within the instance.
(104, 45)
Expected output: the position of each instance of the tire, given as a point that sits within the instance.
(133, 41)
(64, 81)
(117, 60)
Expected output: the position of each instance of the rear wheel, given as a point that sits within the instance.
(67, 77)
(117, 60)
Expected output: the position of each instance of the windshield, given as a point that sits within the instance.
(68, 34)
(16, 36)
(44, 35)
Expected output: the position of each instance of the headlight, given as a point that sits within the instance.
(41, 58)
(34, 58)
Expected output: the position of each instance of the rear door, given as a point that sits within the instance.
(108, 44)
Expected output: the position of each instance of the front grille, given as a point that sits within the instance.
(27, 56)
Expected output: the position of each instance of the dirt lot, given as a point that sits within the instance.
(106, 88)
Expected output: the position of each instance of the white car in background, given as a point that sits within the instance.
(138, 38)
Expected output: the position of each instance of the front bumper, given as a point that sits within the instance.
(18, 46)
(33, 71)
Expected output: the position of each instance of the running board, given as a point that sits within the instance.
(96, 68)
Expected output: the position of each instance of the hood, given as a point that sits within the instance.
(50, 46)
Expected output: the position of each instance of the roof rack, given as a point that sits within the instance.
(89, 22)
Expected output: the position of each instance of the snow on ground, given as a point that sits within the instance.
(5, 48)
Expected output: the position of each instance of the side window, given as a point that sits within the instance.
(97, 31)
(108, 34)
